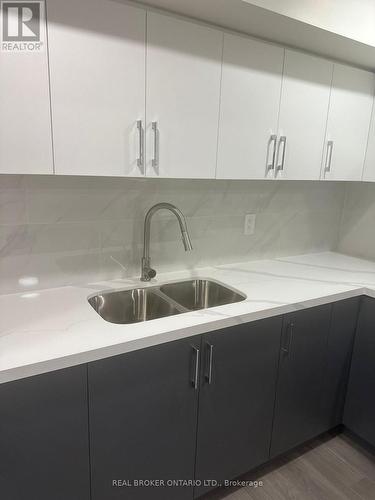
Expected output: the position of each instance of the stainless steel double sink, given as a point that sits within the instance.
(144, 304)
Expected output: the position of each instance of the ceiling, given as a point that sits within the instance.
(241, 16)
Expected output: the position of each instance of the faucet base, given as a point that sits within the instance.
(147, 272)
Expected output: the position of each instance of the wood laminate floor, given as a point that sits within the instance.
(330, 468)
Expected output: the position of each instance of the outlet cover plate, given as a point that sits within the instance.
(249, 226)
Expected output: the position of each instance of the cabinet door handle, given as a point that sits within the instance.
(272, 142)
(195, 378)
(155, 159)
(140, 159)
(282, 142)
(329, 156)
(289, 339)
(210, 352)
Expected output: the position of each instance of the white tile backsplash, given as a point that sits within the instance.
(357, 231)
(65, 230)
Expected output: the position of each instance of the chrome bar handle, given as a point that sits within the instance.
(155, 160)
(210, 361)
(282, 141)
(140, 159)
(327, 167)
(272, 140)
(195, 379)
(288, 345)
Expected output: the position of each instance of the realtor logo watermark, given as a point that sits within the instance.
(21, 24)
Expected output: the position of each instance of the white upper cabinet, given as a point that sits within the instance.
(250, 97)
(369, 169)
(348, 123)
(132, 92)
(25, 122)
(97, 60)
(182, 97)
(303, 115)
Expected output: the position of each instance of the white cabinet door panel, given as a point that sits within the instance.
(250, 97)
(369, 169)
(183, 87)
(348, 123)
(97, 59)
(303, 114)
(25, 122)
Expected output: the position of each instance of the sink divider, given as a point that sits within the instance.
(168, 299)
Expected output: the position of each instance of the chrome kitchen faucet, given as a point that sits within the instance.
(147, 272)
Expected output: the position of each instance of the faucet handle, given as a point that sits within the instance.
(147, 272)
(151, 273)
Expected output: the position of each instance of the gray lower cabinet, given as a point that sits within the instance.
(44, 450)
(298, 414)
(359, 414)
(315, 356)
(143, 417)
(237, 393)
(208, 408)
(339, 354)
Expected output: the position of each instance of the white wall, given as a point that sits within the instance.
(60, 230)
(357, 232)
(354, 19)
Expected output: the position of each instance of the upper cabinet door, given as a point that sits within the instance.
(369, 169)
(348, 123)
(97, 59)
(250, 97)
(303, 115)
(25, 122)
(183, 87)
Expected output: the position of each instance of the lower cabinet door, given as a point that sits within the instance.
(143, 414)
(359, 414)
(339, 354)
(299, 414)
(44, 450)
(237, 394)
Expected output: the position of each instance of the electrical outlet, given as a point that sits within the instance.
(249, 226)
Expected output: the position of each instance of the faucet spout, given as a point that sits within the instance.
(147, 273)
(186, 241)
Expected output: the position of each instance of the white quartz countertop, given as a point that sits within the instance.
(41, 331)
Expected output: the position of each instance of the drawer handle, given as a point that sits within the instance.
(272, 142)
(155, 160)
(210, 351)
(329, 156)
(282, 141)
(140, 159)
(195, 378)
(289, 339)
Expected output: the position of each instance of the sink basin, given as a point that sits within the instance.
(200, 294)
(143, 304)
(132, 306)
